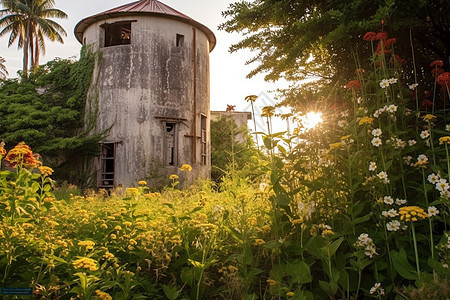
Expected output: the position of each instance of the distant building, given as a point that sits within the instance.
(151, 88)
(239, 117)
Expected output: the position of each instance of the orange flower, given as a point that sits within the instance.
(354, 84)
(2, 150)
(21, 155)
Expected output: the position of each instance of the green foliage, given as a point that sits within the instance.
(298, 39)
(47, 111)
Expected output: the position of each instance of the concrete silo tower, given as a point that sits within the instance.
(151, 87)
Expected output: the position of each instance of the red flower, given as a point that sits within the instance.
(386, 50)
(381, 36)
(444, 80)
(425, 104)
(436, 71)
(389, 42)
(438, 63)
(397, 60)
(354, 84)
(370, 36)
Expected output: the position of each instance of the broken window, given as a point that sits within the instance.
(170, 144)
(180, 40)
(203, 138)
(108, 162)
(117, 34)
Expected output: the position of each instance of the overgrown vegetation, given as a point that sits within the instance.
(47, 111)
(342, 214)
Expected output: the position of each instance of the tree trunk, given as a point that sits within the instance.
(25, 49)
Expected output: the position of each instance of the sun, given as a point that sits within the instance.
(311, 120)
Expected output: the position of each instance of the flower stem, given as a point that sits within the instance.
(415, 250)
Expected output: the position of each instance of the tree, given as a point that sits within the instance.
(46, 111)
(28, 22)
(3, 71)
(297, 39)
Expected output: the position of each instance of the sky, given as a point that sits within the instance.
(229, 84)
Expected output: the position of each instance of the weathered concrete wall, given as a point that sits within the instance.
(147, 83)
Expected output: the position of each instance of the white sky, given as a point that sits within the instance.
(228, 82)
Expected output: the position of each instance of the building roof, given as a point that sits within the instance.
(148, 7)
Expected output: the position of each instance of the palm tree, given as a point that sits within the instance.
(3, 71)
(28, 22)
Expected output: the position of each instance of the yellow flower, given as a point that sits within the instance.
(327, 232)
(271, 282)
(186, 168)
(412, 213)
(259, 242)
(173, 177)
(103, 295)
(268, 111)
(127, 224)
(232, 269)
(113, 236)
(2, 149)
(428, 117)
(104, 226)
(265, 228)
(85, 263)
(444, 139)
(118, 228)
(108, 255)
(346, 137)
(88, 244)
(290, 294)
(297, 221)
(142, 182)
(131, 192)
(336, 145)
(45, 171)
(132, 242)
(365, 120)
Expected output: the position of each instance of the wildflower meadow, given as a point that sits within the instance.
(355, 206)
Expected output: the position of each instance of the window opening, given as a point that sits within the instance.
(108, 165)
(170, 144)
(117, 34)
(180, 40)
(203, 138)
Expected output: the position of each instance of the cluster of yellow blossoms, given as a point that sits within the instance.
(444, 140)
(85, 263)
(88, 244)
(103, 295)
(365, 120)
(412, 213)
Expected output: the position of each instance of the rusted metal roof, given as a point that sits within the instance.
(152, 7)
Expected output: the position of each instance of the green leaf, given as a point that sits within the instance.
(299, 271)
(402, 266)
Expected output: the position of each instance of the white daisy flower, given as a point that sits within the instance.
(442, 185)
(433, 178)
(422, 158)
(392, 80)
(400, 201)
(393, 225)
(392, 213)
(372, 166)
(413, 86)
(392, 108)
(411, 142)
(376, 132)
(388, 200)
(447, 127)
(384, 83)
(432, 211)
(424, 134)
(376, 141)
